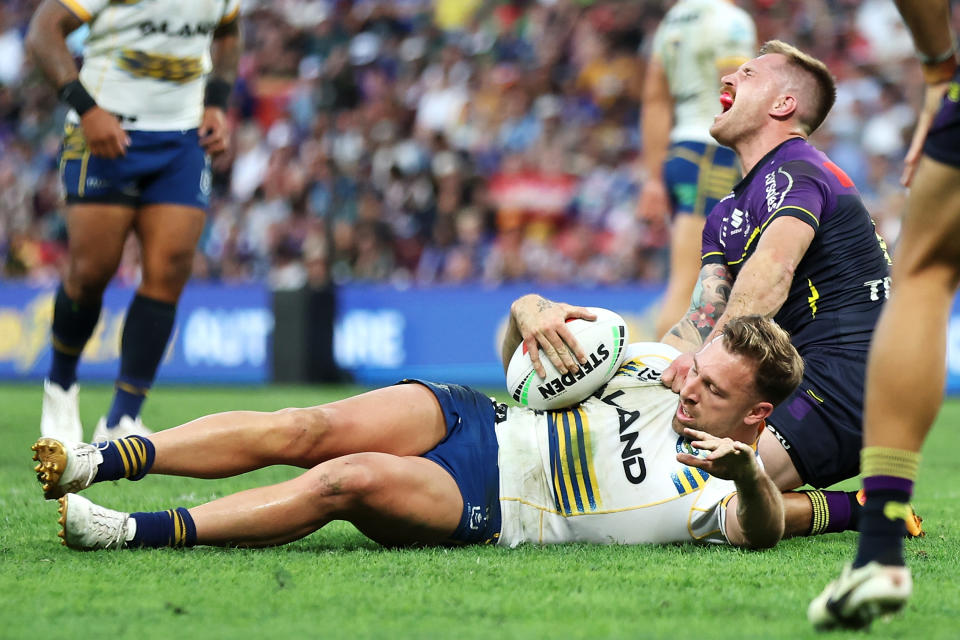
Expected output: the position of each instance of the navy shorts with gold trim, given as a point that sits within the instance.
(820, 424)
(698, 175)
(943, 141)
(160, 167)
(469, 453)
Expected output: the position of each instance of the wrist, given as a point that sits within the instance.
(217, 93)
(940, 71)
(75, 94)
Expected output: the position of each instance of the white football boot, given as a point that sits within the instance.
(65, 467)
(126, 427)
(85, 525)
(60, 415)
(859, 595)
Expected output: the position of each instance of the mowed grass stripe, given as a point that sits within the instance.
(337, 584)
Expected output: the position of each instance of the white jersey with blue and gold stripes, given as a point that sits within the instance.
(606, 470)
(145, 60)
(695, 40)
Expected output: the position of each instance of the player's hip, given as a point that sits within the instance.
(166, 167)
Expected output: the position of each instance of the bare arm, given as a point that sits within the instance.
(929, 23)
(763, 284)
(755, 515)
(46, 42)
(656, 120)
(707, 305)
(225, 52)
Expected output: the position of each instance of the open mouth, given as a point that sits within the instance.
(726, 101)
(682, 413)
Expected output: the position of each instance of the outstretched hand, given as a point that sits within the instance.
(728, 459)
(543, 325)
(676, 374)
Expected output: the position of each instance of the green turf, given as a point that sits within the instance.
(335, 584)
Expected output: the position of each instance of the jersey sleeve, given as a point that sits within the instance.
(797, 190)
(85, 9)
(711, 247)
(709, 514)
(738, 42)
(231, 11)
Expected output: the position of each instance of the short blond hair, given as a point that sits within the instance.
(779, 367)
(821, 83)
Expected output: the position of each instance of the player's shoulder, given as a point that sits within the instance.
(647, 360)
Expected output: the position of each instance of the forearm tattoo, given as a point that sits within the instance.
(709, 301)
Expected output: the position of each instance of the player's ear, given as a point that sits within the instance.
(784, 106)
(758, 413)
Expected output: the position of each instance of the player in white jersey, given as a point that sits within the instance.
(147, 110)
(424, 463)
(686, 172)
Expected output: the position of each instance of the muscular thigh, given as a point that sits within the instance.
(168, 236)
(96, 234)
(403, 420)
(931, 229)
(403, 501)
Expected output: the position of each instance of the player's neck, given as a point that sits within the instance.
(752, 150)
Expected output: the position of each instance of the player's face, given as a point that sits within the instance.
(746, 97)
(719, 397)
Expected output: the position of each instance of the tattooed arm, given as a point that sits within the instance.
(707, 305)
(762, 286)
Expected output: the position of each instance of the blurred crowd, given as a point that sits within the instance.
(449, 141)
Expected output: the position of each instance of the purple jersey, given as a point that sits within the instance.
(843, 279)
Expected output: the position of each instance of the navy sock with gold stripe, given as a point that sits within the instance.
(170, 528)
(130, 457)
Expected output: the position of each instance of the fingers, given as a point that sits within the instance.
(214, 140)
(534, 351)
(556, 350)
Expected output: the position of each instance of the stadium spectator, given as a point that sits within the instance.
(133, 161)
(455, 467)
(296, 76)
(910, 338)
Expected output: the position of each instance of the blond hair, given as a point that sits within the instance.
(818, 80)
(779, 367)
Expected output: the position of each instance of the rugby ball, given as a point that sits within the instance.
(604, 340)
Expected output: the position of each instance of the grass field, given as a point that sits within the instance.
(336, 584)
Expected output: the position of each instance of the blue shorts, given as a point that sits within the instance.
(160, 167)
(820, 424)
(698, 176)
(943, 141)
(469, 453)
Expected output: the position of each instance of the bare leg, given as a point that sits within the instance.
(402, 420)
(906, 370)
(685, 239)
(393, 500)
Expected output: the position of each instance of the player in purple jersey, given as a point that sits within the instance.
(906, 372)
(794, 242)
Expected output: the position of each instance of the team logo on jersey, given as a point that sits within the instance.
(159, 67)
(775, 198)
(186, 30)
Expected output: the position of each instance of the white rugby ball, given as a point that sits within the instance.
(604, 340)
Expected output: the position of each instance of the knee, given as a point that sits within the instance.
(86, 278)
(347, 481)
(166, 278)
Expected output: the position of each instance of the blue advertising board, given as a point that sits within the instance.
(222, 335)
(453, 334)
